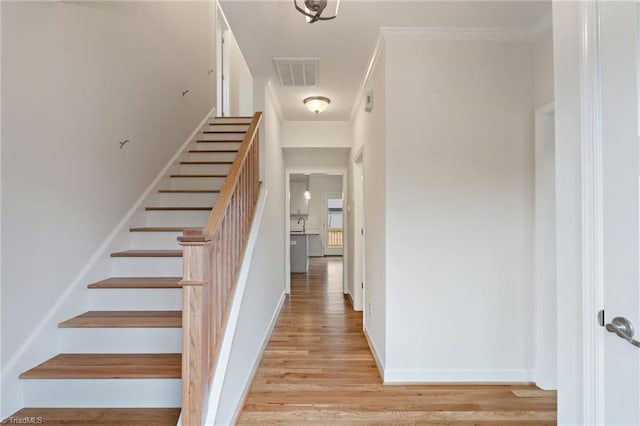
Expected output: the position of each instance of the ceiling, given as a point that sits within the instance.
(302, 177)
(273, 29)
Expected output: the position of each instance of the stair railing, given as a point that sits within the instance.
(212, 258)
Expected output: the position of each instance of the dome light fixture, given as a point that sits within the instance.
(313, 10)
(316, 104)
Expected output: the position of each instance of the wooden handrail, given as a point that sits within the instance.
(212, 258)
(215, 218)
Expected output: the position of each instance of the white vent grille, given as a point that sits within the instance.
(297, 71)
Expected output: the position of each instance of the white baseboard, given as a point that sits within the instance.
(237, 409)
(402, 375)
(36, 342)
(374, 352)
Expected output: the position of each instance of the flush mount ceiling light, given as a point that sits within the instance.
(316, 104)
(313, 10)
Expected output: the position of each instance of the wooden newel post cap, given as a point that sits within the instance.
(194, 235)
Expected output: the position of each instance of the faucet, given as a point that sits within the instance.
(304, 223)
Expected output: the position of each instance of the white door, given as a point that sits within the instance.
(358, 233)
(620, 208)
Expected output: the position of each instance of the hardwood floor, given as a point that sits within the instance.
(317, 369)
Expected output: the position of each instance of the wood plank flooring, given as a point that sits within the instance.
(318, 369)
(96, 416)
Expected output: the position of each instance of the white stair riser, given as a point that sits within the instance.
(190, 218)
(212, 169)
(121, 340)
(219, 156)
(221, 137)
(155, 240)
(217, 145)
(226, 128)
(146, 266)
(245, 120)
(187, 199)
(211, 156)
(84, 393)
(197, 183)
(135, 299)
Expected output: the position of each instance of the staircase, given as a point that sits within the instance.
(120, 361)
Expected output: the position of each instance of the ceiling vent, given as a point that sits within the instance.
(297, 71)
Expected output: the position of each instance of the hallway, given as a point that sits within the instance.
(317, 368)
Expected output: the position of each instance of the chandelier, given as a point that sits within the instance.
(313, 10)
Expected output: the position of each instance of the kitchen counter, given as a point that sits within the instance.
(299, 252)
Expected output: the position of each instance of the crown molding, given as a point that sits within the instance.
(275, 101)
(456, 34)
(541, 27)
(308, 123)
(449, 34)
(373, 60)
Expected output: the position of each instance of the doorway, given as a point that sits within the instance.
(222, 60)
(332, 216)
(546, 351)
(314, 225)
(358, 287)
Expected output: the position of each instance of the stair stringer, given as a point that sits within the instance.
(43, 341)
(220, 368)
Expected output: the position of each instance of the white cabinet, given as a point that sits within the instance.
(299, 204)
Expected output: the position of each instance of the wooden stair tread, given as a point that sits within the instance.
(138, 282)
(100, 416)
(148, 253)
(220, 141)
(161, 229)
(197, 176)
(108, 366)
(125, 319)
(230, 124)
(189, 191)
(218, 150)
(187, 163)
(224, 131)
(178, 208)
(211, 151)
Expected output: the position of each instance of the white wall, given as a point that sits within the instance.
(545, 245)
(459, 210)
(77, 78)
(546, 339)
(369, 129)
(543, 69)
(566, 56)
(240, 80)
(316, 134)
(353, 214)
(316, 158)
(265, 284)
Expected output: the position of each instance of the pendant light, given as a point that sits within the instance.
(307, 194)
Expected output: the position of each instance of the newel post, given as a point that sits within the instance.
(196, 285)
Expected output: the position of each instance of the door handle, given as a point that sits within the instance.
(624, 329)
